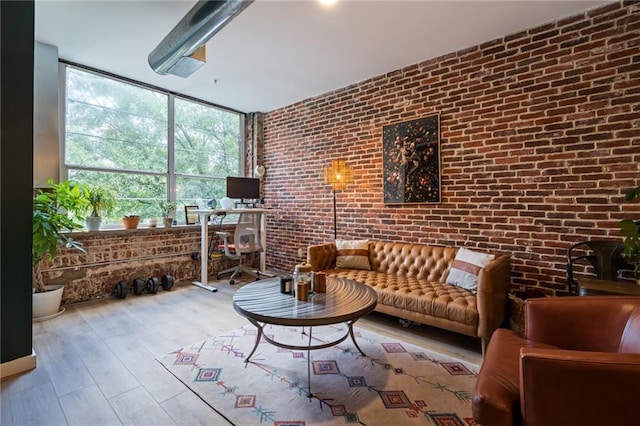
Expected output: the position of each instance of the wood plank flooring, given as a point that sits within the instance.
(96, 362)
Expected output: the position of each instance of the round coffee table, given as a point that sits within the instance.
(345, 301)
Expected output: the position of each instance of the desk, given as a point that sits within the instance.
(204, 215)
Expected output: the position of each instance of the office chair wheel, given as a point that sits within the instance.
(232, 282)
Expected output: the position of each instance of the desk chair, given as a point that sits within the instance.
(605, 258)
(246, 240)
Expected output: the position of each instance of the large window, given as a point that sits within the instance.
(147, 145)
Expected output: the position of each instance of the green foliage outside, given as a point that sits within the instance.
(116, 138)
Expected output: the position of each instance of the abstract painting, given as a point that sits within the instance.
(411, 161)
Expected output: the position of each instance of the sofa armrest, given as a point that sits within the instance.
(561, 387)
(593, 323)
(494, 281)
(321, 256)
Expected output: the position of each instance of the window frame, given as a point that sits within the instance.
(170, 174)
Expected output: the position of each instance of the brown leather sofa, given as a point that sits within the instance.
(579, 364)
(410, 280)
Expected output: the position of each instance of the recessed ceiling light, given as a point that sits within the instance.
(327, 2)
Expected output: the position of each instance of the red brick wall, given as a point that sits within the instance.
(540, 138)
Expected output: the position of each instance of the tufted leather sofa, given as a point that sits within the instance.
(578, 364)
(410, 280)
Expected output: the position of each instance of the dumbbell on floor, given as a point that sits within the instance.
(139, 286)
(121, 289)
(152, 284)
(167, 282)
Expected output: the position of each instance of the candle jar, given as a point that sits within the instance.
(320, 282)
(302, 279)
(285, 285)
(302, 291)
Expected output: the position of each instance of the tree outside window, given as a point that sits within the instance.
(117, 135)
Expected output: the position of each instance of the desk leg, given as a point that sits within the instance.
(263, 244)
(204, 254)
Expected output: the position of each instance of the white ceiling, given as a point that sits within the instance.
(276, 53)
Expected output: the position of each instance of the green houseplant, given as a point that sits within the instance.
(101, 202)
(56, 210)
(167, 208)
(631, 233)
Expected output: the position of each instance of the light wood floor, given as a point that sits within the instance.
(96, 362)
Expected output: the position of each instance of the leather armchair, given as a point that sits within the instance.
(579, 363)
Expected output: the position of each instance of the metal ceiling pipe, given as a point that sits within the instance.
(203, 21)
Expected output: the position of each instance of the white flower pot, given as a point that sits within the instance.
(93, 222)
(47, 305)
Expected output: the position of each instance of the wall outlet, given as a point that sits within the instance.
(301, 253)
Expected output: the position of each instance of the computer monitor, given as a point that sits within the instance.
(243, 188)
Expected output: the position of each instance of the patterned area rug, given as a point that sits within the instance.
(396, 383)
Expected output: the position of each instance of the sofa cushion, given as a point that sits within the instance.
(466, 267)
(436, 299)
(352, 254)
(420, 261)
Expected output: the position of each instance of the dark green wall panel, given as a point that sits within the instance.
(16, 177)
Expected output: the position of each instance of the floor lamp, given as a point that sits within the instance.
(338, 175)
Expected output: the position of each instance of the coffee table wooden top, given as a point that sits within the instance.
(345, 300)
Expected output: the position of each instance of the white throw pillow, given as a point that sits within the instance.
(466, 268)
(352, 254)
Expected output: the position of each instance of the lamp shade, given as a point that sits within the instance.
(338, 175)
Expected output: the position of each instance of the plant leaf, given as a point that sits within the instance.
(633, 194)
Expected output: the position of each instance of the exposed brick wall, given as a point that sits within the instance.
(540, 138)
(114, 255)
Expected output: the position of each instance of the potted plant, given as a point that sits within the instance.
(56, 210)
(631, 233)
(101, 202)
(167, 208)
(130, 221)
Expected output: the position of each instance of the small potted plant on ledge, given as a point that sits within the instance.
(168, 210)
(56, 210)
(130, 221)
(630, 230)
(101, 202)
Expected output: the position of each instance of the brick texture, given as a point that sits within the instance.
(540, 139)
(114, 255)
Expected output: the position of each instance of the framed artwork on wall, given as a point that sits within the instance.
(411, 161)
(191, 217)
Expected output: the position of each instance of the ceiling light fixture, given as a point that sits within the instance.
(182, 51)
